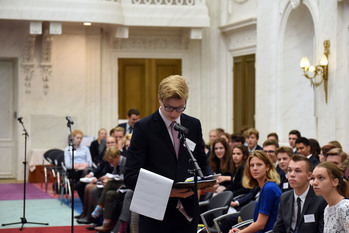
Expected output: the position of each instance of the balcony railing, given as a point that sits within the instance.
(156, 13)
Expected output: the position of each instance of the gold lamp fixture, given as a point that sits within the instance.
(320, 71)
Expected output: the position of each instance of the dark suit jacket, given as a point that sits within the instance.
(123, 125)
(314, 161)
(250, 196)
(236, 182)
(151, 148)
(313, 205)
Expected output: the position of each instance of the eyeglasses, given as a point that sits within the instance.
(170, 109)
(269, 151)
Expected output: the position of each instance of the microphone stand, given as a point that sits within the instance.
(196, 171)
(72, 144)
(23, 219)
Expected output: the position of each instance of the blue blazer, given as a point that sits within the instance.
(151, 148)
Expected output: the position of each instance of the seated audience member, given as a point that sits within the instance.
(293, 135)
(345, 169)
(273, 136)
(269, 147)
(98, 146)
(323, 153)
(109, 165)
(336, 156)
(132, 117)
(237, 167)
(220, 131)
(109, 195)
(212, 135)
(284, 155)
(300, 210)
(303, 148)
(219, 162)
(226, 136)
(82, 156)
(119, 135)
(315, 148)
(336, 144)
(251, 138)
(329, 183)
(236, 139)
(260, 171)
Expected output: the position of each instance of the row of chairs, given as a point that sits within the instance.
(56, 168)
(218, 206)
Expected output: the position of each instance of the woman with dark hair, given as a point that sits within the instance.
(315, 148)
(330, 183)
(237, 167)
(260, 171)
(219, 162)
(324, 150)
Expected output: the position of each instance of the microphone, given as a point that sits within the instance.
(68, 118)
(20, 120)
(180, 129)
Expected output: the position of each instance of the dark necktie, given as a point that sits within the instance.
(175, 138)
(298, 214)
(130, 129)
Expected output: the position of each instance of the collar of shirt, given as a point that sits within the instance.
(121, 158)
(252, 149)
(302, 196)
(168, 122)
(309, 156)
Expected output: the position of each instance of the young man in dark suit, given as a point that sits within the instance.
(132, 117)
(155, 147)
(300, 210)
(303, 148)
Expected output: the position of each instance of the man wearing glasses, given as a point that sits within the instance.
(155, 147)
(269, 147)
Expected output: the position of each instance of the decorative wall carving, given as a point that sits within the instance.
(295, 3)
(28, 61)
(140, 42)
(46, 65)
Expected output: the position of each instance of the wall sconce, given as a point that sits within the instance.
(320, 71)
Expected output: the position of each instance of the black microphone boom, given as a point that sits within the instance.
(180, 129)
(68, 118)
(20, 120)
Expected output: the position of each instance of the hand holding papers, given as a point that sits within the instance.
(151, 188)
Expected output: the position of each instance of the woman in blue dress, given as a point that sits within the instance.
(260, 171)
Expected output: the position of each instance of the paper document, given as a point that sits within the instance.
(86, 180)
(151, 188)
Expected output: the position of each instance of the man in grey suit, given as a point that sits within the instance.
(300, 210)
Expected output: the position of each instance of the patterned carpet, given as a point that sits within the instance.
(40, 207)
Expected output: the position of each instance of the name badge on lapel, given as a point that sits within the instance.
(191, 144)
(285, 185)
(309, 218)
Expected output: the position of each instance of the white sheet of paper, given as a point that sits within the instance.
(151, 188)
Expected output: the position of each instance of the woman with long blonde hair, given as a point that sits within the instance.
(260, 171)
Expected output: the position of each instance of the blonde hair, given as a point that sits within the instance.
(174, 86)
(77, 131)
(111, 153)
(127, 137)
(248, 181)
